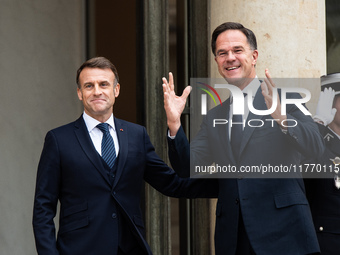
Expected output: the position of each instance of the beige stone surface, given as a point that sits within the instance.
(291, 36)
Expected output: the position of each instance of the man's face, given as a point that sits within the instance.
(235, 59)
(97, 92)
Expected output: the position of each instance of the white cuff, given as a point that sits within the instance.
(171, 137)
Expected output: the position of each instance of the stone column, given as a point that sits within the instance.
(199, 66)
(156, 61)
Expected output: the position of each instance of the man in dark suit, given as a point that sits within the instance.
(253, 215)
(95, 167)
(324, 193)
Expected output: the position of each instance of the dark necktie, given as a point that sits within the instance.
(108, 146)
(236, 133)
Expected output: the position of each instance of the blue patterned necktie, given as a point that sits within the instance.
(108, 146)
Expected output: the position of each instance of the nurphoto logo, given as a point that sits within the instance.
(239, 103)
(238, 100)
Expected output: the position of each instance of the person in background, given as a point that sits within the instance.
(324, 193)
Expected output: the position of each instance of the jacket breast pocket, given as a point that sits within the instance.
(135, 155)
(73, 218)
(290, 199)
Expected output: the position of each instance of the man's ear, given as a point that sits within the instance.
(116, 90)
(255, 56)
(80, 94)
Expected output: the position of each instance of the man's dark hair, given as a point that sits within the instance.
(98, 62)
(251, 38)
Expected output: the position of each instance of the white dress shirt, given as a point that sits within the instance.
(97, 135)
(253, 87)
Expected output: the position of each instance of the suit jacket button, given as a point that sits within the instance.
(114, 215)
(237, 201)
(321, 228)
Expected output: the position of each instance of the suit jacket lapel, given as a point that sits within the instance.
(122, 134)
(85, 142)
(258, 104)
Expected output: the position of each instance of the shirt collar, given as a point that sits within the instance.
(91, 123)
(252, 86)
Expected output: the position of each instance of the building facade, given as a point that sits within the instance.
(43, 42)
